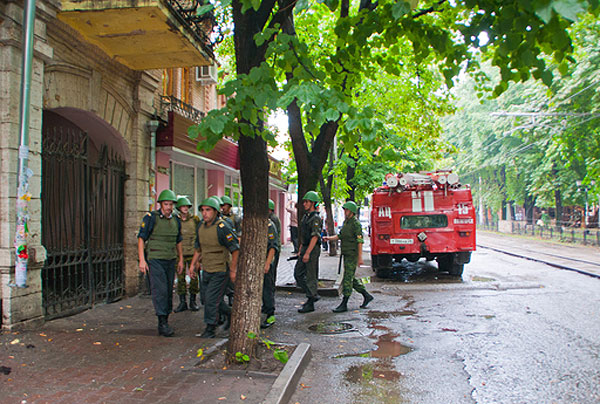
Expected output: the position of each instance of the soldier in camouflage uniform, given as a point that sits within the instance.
(189, 223)
(306, 270)
(227, 213)
(268, 295)
(352, 242)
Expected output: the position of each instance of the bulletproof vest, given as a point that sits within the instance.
(188, 233)
(347, 237)
(215, 256)
(163, 239)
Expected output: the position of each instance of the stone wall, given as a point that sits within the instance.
(68, 72)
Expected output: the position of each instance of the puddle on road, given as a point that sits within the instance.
(417, 272)
(376, 383)
(481, 279)
(382, 315)
(386, 348)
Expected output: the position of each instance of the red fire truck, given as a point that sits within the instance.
(427, 214)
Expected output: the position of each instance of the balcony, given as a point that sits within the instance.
(144, 34)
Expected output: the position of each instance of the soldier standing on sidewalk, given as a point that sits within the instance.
(161, 230)
(218, 246)
(307, 268)
(268, 295)
(277, 223)
(352, 242)
(226, 212)
(189, 223)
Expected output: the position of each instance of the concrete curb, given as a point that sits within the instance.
(285, 385)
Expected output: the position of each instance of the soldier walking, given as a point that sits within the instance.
(352, 242)
(218, 247)
(268, 295)
(160, 235)
(189, 223)
(307, 267)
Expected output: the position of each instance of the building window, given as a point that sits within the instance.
(232, 189)
(182, 181)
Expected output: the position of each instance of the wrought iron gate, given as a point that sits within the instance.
(82, 223)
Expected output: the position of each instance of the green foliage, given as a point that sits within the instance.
(242, 358)
(536, 156)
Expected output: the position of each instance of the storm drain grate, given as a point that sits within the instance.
(331, 328)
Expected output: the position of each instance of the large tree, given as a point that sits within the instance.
(278, 67)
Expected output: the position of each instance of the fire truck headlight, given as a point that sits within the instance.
(422, 236)
(442, 179)
(452, 178)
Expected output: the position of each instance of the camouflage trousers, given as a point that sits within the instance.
(182, 284)
(349, 282)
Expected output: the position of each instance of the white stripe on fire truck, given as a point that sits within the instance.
(416, 202)
(428, 200)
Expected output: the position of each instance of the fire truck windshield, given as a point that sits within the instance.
(423, 221)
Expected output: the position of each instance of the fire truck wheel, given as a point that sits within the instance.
(445, 262)
(383, 272)
(456, 270)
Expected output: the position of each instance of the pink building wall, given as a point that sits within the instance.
(215, 182)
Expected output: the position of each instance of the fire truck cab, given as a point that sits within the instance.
(428, 214)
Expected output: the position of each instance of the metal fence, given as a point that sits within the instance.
(558, 233)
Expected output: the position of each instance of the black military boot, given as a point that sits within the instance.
(209, 332)
(343, 305)
(182, 304)
(163, 327)
(308, 306)
(193, 305)
(367, 298)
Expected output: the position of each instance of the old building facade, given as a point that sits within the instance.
(103, 103)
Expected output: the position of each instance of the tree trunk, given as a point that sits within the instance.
(559, 207)
(248, 286)
(329, 225)
(350, 173)
(254, 172)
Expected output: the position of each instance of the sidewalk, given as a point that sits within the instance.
(112, 354)
(574, 257)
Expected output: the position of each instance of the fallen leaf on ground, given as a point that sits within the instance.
(97, 343)
(128, 306)
(42, 334)
(243, 397)
(79, 329)
(222, 398)
(15, 341)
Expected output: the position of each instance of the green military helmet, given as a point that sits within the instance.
(183, 201)
(226, 200)
(312, 196)
(271, 204)
(219, 200)
(167, 195)
(351, 206)
(211, 202)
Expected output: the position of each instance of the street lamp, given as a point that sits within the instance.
(585, 189)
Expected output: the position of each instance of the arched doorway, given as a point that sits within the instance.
(83, 192)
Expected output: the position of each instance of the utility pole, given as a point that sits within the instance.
(24, 172)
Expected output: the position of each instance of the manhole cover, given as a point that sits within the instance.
(331, 328)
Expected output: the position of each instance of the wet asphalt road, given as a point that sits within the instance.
(511, 331)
